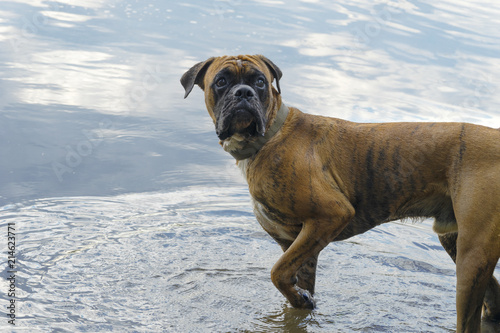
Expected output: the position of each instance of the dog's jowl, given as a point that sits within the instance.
(314, 180)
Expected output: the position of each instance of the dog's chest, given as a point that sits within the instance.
(243, 166)
(276, 229)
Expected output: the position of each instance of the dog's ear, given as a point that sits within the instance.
(195, 75)
(274, 70)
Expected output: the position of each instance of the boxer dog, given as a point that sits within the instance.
(314, 180)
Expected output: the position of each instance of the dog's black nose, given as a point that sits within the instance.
(244, 92)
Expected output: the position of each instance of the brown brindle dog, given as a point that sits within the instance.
(314, 180)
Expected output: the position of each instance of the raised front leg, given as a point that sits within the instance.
(294, 273)
(306, 274)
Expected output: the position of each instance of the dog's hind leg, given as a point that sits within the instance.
(477, 210)
(491, 309)
(491, 305)
(475, 268)
(449, 242)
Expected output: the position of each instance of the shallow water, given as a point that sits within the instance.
(130, 217)
(196, 260)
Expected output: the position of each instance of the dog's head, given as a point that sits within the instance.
(239, 94)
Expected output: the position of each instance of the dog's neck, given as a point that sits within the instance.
(241, 149)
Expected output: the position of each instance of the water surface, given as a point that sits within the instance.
(129, 215)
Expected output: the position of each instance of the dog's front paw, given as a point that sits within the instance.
(304, 299)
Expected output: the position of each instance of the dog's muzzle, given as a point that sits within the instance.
(241, 112)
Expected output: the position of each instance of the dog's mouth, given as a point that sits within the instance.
(244, 121)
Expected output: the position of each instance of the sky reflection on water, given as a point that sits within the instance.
(68, 69)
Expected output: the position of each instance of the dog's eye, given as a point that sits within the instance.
(260, 83)
(221, 82)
